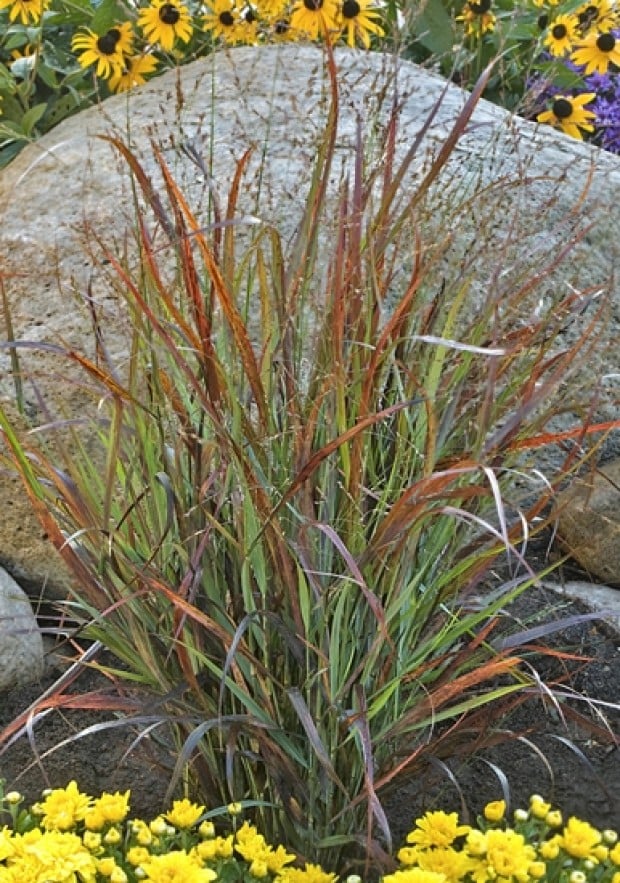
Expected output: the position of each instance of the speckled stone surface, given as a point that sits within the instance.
(70, 188)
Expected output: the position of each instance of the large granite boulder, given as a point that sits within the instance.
(534, 188)
(21, 645)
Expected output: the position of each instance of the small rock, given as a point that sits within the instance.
(600, 599)
(21, 645)
(589, 522)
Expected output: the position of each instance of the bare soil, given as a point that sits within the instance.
(576, 766)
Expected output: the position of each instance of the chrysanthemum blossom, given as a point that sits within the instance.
(569, 114)
(315, 17)
(579, 838)
(437, 829)
(165, 21)
(64, 807)
(176, 866)
(184, 813)
(597, 52)
(106, 51)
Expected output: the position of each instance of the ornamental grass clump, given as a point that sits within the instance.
(312, 461)
(69, 836)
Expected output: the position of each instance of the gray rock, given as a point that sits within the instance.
(600, 599)
(21, 646)
(589, 522)
(533, 188)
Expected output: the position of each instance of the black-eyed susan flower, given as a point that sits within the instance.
(163, 21)
(597, 52)
(223, 20)
(601, 15)
(27, 11)
(135, 70)
(357, 19)
(106, 51)
(315, 17)
(561, 35)
(477, 17)
(569, 114)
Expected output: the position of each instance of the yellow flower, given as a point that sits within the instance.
(184, 813)
(53, 856)
(26, 10)
(452, 864)
(554, 818)
(215, 847)
(223, 21)
(601, 14)
(92, 840)
(309, 874)
(537, 870)
(508, 853)
(538, 807)
(207, 829)
(414, 875)
(112, 808)
(568, 113)
(176, 867)
(549, 849)
(579, 838)
(561, 34)
(165, 20)
(408, 855)
(495, 811)
(64, 807)
(118, 876)
(597, 52)
(477, 17)
(314, 17)
(476, 842)
(437, 829)
(356, 19)
(135, 69)
(137, 855)
(112, 837)
(614, 854)
(105, 51)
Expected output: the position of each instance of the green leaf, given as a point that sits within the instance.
(32, 117)
(435, 28)
(106, 15)
(47, 75)
(16, 41)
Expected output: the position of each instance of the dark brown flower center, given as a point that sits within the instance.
(350, 9)
(250, 16)
(481, 7)
(169, 14)
(562, 108)
(107, 43)
(588, 15)
(281, 27)
(606, 42)
(559, 31)
(313, 5)
(543, 21)
(226, 18)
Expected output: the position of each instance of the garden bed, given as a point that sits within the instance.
(585, 765)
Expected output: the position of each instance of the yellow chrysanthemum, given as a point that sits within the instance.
(176, 867)
(64, 807)
(106, 51)
(357, 21)
(309, 874)
(27, 11)
(184, 813)
(477, 17)
(414, 875)
(597, 52)
(579, 838)
(437, 829)
(315, 17)
(164, 21)
(569, 114)
(52, 855)
(108, 808)
(508, 854)
(452, 864)
(561, 35)
(539, 807)
(495, 810)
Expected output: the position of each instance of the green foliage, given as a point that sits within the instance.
(305, 473)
